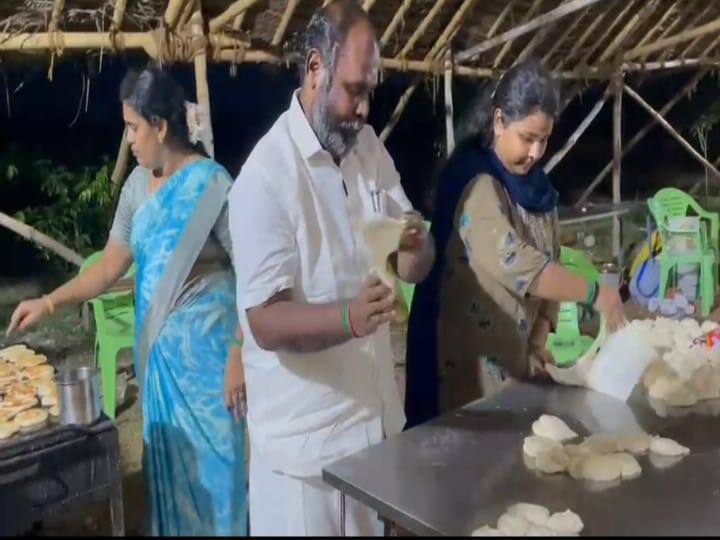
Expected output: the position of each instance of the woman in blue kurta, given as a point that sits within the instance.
(173, 224)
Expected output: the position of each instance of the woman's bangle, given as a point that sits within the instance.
(49, 304)
(345, 316)
(593, 292)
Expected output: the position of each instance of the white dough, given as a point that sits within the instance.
(575, 468)
(552, 427)
(512, 525)
(667, 447)
(486, 531)
(601, 468)
(532, 513)
(705, 383)
(576, 450)
(601, 443)
(637, 444)
(537, 530)
(382, 237)
(629, 466)
(565, 523)
(552, 461)
(673, 391)
(533, 445)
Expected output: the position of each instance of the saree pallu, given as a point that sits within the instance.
(193, 455)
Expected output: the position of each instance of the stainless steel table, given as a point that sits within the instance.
(464, 469)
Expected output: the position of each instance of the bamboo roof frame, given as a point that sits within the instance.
(586, 41)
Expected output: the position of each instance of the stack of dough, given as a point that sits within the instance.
(28, 394)
(525, 519)
(599, 457)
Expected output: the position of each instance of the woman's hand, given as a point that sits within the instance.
(235, 394)
(27, 314)
(610, 304)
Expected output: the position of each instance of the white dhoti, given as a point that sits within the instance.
(282, 505)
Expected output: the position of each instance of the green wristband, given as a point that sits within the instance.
(592, 295)
(236, 343)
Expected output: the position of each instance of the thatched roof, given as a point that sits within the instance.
(583, 38)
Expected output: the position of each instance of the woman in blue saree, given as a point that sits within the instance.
(173, 224)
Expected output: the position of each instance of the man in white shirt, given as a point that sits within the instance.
(317, 356)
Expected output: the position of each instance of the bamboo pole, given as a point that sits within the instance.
(238, 56)
(659, 24)
(508, 44)
(420, 30)
(617, 161)
(43, 240)
(500, 19)
(695, 20)
(560, 154)
(187, 11)
(58, 6)
(284, 22)
(449, 108)
(568, 30)
(172, 12)
(454, 24)
(608, 32)
(666, 125)
(620, 38)
(122, 159)
(118, 14)
(235, 9)
(536, 40)
(677, 39)
(394, 22)
(237, 21)
(202, 89)
(583, 38)
(399, 108)
(546, 18)
(694, 42)
(367, 5)
(686, 89)
(78, 40)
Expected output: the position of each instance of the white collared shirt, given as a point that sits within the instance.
(294, 227)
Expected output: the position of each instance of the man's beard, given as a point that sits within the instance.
(336, 136)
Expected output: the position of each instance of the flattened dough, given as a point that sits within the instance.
(601, 443)
(552, 427)
(552, 461)
(513, 525)
(601, 468)
(533, 445)
(382, 238)
(629, 466)
(486, 531)
(637, 444)
(667, 447)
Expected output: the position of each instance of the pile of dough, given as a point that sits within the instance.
(8, 428)
(534, 445)
(524, 519)
(552, 427)
(31, 420)
(667, 447)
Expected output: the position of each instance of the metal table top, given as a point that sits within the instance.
(464, 469)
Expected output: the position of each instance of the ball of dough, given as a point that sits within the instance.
(601, 468)
(552, 461)
(532, 513)
(673, 391)
(705, 383)
(654, 371)
(537, 530)
(667, 447)
(565, 523)
(552, 427)
(575, 466)
(512, 525)
(533, 445)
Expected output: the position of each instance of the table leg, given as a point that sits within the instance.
(117, 517)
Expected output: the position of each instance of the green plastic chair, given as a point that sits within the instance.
(567, 344)
(671, 203)
(114, 331)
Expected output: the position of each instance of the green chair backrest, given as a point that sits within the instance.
(672, 202)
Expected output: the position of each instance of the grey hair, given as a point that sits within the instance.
(524, 89)
(326, 33)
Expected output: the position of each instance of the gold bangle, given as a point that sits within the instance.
(49, 304)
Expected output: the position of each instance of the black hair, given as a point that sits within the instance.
(326, 32)
(155, 96)
(524, 89)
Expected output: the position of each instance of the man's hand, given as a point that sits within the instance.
(372, 307)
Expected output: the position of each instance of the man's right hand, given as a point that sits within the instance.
(610, 304)
(372, 307)
(28, 313)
